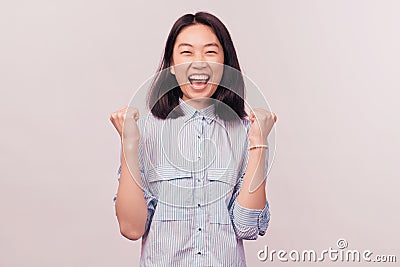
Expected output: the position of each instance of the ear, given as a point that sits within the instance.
(172, 70)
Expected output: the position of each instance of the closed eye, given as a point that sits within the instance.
(212, 52)
(185, 52)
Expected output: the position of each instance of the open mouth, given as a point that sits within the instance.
(199, 79)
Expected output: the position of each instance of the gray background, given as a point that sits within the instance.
(329, 70)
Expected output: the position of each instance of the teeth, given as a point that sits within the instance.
(198, 77)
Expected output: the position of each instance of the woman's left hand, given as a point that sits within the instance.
(262, 122)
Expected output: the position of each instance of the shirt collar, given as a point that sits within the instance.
(189, 111)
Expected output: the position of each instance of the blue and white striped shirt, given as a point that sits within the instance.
(192, 168)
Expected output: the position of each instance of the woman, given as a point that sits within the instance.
(193, 171)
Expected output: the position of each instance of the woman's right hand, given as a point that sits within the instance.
(124, 121)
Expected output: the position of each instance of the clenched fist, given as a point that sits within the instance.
(262, 123)
(124, 120)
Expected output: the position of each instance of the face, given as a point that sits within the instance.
(197, 62)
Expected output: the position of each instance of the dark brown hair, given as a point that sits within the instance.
(164, 93)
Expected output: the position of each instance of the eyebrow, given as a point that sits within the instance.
(207, 45)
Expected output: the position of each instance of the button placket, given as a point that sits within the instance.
(200, 138)
(198, 191)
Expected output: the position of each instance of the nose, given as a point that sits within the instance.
(199, 64)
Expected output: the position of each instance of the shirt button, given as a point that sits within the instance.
(198, 136)
(199, 253)
(198, 205)
(198, 180)
(199, 229)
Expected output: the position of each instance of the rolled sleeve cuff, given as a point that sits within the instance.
(252, 217)
(118, 178)
(263, 220)
(151, 201)
(149, 198)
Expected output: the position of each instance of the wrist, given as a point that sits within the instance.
(257, 140)
(129, 144)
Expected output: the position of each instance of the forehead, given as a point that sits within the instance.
(197, 35)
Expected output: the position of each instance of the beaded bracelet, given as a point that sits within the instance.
(258, 146)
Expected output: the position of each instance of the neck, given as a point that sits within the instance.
(197, 103)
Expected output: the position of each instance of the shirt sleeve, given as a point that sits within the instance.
(151, 201)
(248, 223)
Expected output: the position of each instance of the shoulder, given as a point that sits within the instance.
(246, 123)
(236, 125)
(150, 126)
(147, 120)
